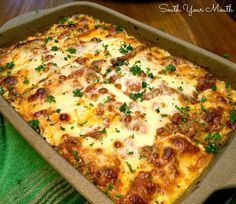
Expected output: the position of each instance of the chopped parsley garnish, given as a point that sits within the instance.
(118, 29)
(144, 84)
(75, 155)
(180, 88)
(227, 85)
(82, 124)
(97, 26)
(40, 67)
(118, 196)
(118, 131)
(125, 49)
(183, 109)
(62, 128)
(130, 153)
(97, 52)
(10, 65)
(135, 96)
(226, 56)
(213, 136)
(91, 144)
(130, 167)
(211, 148)
(77, 93)
(34, 123)
(103, 131)
(56, 41)
(157, 110)
(125, 108)
(136, 69)
(2, 91)
(203, 99)
(204, 109)
(105, 46)
(107, 99)
(58, 110)
(110, 187)
(120, 63)
(26, 81)
(232, 116)
(54, 48)
(118, 69)
(48, 39)
(214, 88)
(50, 99)
(63, 21)
(149, 73)
(170, 67)
(71, 50)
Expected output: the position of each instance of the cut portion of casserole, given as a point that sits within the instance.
(141, 124)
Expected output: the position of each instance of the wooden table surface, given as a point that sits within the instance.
(213, 31)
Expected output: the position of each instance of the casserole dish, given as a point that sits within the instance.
(146, 34)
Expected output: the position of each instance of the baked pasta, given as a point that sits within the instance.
(141, 124)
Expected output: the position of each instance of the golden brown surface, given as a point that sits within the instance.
(213, 31)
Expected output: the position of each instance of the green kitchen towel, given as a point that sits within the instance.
(25, 177)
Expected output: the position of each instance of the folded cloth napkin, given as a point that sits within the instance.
(25, 177)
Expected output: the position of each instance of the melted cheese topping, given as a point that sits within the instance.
(138, 122)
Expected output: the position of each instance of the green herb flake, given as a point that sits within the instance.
(91, 144)
(82, 124)
(48, 39)
(62, 128)
(58, 110)
(75, 155)
(63, 21)
(54, 48)
(232, 116)
(226, 56)
(203, 99)
(136, 69)
(103, 131)
(204, 109)
(157, 110)
(50, 99)
(212, 136)
(130, 167)
(227, 85)
(118, 196)
(214, 88)
(40, 67)
(110, 187)
(77, 93)
(144, 84)
(26, 81)
(211, 148)
(10, 65)
(125, 49)
(2, 91)
(118, 131)
(170, 68)
(183, 109)
(71, 50)
(136, 96)
(180, 88)
(34, 123)
(149, 73)
(125, 109)
(118, 29)
(130, 153)
(97, 26)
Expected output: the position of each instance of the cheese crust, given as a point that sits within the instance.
(141, 124)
